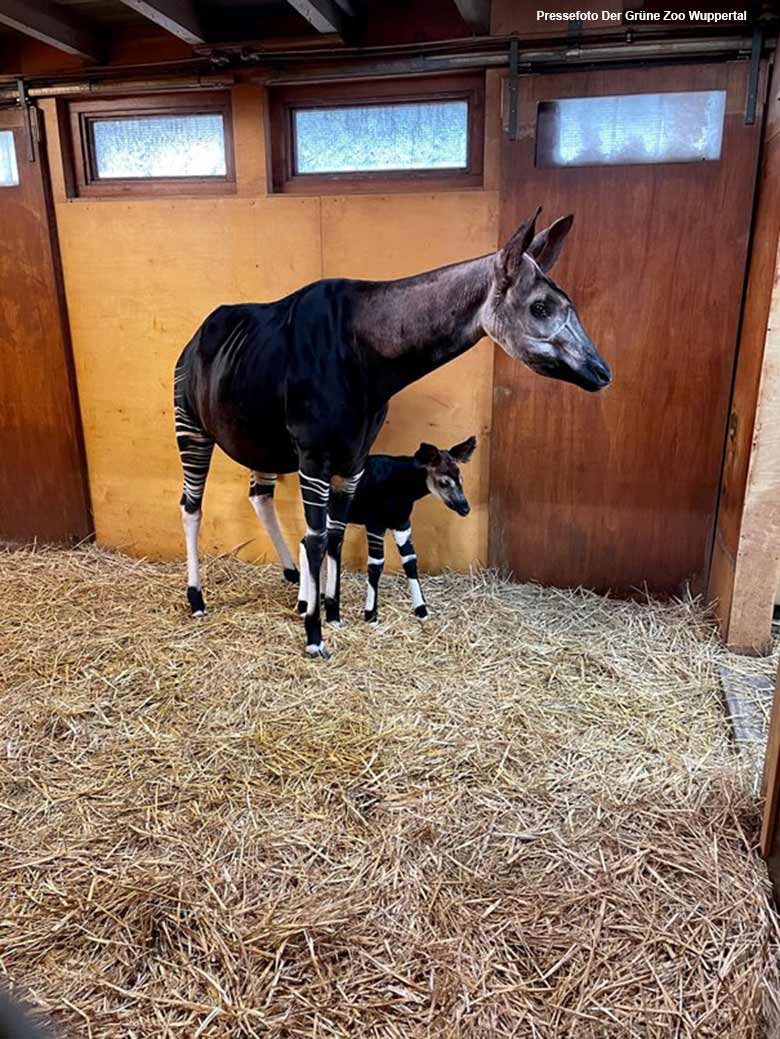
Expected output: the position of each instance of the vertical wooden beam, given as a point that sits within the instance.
(770, 822)
(745, 568)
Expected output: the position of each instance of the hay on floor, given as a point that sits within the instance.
(524, 818)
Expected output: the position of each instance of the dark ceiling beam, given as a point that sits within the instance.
(51, 24)
(476, 14)
(177, 17)
(324, 15)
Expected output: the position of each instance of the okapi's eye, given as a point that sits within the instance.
(539, 309)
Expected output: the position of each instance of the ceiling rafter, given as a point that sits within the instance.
(325, 15)
(53, 25)
(476, 14)
(177, 17)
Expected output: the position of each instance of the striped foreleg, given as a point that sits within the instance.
(315, 493)
(403, 539)
(195, 450)
(261, 495)
(376, 562)
(342, 491)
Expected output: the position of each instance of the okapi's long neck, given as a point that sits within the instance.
(408, 328)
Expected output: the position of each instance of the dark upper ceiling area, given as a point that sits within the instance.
(54, 37)
(89, 29)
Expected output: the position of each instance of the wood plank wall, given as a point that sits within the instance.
(141, 274)
(746, 552)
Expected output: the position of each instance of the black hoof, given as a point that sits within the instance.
(292, 575)
(195, 599)
(370, 616)
(421, 612)
(332, 615)
(301, 607)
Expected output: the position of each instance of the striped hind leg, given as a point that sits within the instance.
(261, 495)
(195, 450)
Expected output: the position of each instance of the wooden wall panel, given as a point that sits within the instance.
(619, 490)
(140, 277)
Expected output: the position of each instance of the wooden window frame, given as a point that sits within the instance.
(285, 100)
(85, 181)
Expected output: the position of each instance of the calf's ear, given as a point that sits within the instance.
(462, 452)
(427, 454)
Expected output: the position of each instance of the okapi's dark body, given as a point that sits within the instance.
(264, 380)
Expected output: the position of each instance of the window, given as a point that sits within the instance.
(9, 171)
(418, 135)
(378, 136)
(155, 145)
(631, 129)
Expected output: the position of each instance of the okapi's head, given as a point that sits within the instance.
(532, 319)
(442, 472)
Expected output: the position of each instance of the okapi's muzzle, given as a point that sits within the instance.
(574, 358)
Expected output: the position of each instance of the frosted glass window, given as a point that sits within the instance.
(9, 172)
(425, 135)
(632, 128)
(159, 146)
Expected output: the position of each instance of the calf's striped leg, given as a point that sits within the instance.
(195, 450)
(403, 539)
(342, 491)
(261, 496)
(315, 492)
(376, 562)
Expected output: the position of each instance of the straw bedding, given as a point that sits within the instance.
(524, 818)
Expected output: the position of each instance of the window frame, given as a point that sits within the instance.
(285, 100)
(82, 114)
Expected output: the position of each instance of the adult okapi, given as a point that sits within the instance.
(304, 383)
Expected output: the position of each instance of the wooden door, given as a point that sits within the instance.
(43, 483)
(618, 490)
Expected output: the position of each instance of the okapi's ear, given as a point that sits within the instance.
(546, 246)
(508, 259)
(427, 455)
(462, 452)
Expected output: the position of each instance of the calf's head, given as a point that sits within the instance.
(531, 318)
(442, 472)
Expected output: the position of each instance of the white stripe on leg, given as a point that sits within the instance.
(263, 504)
(416, 592)
(333, 573)
(191, 524)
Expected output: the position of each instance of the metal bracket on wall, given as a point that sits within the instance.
(29, 131)
(753, 76)
(514, 51)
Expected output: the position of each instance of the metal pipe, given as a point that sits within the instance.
(322, 70)
(123, 86)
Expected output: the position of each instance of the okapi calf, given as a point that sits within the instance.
(304, 383)
(386, 494)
